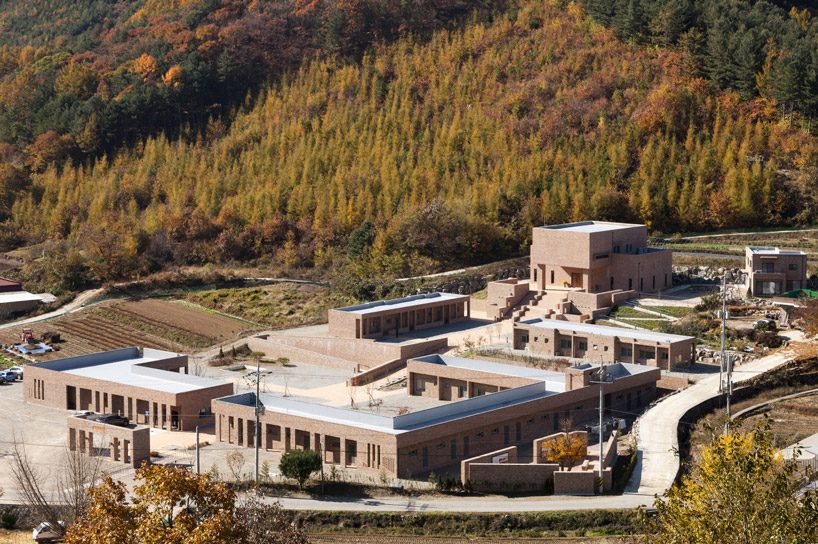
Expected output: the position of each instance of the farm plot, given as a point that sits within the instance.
(88, 333)
(146, 323)
(177, 322)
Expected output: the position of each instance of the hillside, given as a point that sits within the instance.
(79, 79)
(756, 47)
(431, 153)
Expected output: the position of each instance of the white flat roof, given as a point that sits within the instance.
(592, 226)
(554, 381)
(650, 336)
(123, 367)
(775, 251)
(400, 303)
(19, 296)
(122, 372)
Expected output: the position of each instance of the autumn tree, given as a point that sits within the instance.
(566, 449)
(739, 490)
(808, 316)
(169, 506)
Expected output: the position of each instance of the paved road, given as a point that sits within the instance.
(657, 429)
(471, 504)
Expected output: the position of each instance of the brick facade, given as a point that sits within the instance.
(175, 407)
(554, 338)
(435, 439)
(393, 318)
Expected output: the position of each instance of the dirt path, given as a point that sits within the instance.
(80, 301)
(755, 233)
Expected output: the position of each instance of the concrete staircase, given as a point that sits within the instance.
(535, 307)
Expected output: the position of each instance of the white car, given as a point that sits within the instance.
(45, 532)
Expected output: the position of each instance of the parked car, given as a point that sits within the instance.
(111, 419)
(45, 532)
(17, 370)
(8, 377)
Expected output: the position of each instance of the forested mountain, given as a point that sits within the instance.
(434, 152)
(81, 78)
(756, 47)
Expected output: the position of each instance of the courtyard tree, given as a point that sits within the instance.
(740, 490)
(299, 464)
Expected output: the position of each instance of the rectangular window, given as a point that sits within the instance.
(583, 345)
(453, 452)
(518, 431)
(565, 343)
(793, 266)
(461, 391)
(552, 277)
(465, 446)
(420, 385)
(505, 435)
(645, 354)
(768, 268)
(524, 339)
(425, 457)
(626, 351)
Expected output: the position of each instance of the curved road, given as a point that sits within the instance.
(657, 429)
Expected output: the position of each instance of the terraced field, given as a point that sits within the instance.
(151, 323)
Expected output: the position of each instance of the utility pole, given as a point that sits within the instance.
(722, 367)
(198, 459)
(725, 358)
(729, 390)
(259, 410)
(601, 381)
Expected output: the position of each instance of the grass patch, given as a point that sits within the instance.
(276, 306)
(482, 294)
(606, 323)
(527, 524)
(651, 324)
(5, 362)
(674, 311)
(619, 312)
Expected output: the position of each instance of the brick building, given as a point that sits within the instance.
(391, 318)
(579, 271)
(598, 257)
(148, 386)
(412, 444)
(555, 338)
(772, 271)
